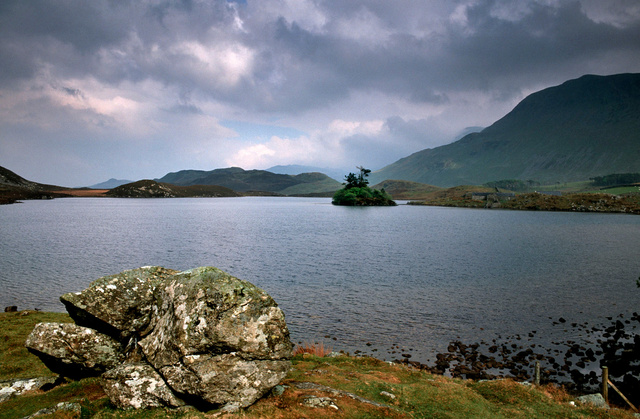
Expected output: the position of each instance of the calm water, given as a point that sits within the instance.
(354, 278)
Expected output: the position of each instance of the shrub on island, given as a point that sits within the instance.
(356, 192)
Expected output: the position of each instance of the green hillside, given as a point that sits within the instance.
(404, 189)
(241, 180)
(583, 128)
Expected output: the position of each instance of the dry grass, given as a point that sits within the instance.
(317, 349)
(83, 192)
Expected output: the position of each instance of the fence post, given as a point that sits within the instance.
(536, 376)
(605, 384)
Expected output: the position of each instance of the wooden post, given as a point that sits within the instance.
(605, 384)
(613, 386)
(536, 375)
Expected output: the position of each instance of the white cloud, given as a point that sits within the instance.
(221, 66)
(326, 147)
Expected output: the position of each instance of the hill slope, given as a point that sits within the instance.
(254, 180)
(583, 128)
(153, 189)
(14, 188)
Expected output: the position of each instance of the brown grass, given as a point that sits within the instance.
(84, 193)
(317, 349)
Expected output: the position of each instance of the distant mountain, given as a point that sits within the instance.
(583, 128)
(296, 169)
(241, 180)
(152, 189)
(110, 184)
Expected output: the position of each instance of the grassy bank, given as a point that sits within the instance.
(575, 202)
(362, 388)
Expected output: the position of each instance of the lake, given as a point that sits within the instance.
(382, 280)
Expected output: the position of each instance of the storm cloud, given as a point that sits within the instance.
(100, 89)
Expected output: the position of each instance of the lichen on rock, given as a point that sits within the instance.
(199, 335)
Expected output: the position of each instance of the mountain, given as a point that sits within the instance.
(580, 129)
(296, 169)
(152, 189)
(404, 189)
(110, 184)
(10, 179)
(241, 180)
(14, 188)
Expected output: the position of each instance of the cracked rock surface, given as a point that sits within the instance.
(159, 337)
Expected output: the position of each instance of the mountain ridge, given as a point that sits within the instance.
(241, 180)
(582, 128)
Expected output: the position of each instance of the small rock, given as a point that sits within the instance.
(335, 354)
(230, 408)
(388, 395)
(278, 390)
(316, 402)
(594, 400)
(10, 309)
(73, 410)
(17, 387)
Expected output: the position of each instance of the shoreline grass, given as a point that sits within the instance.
(395, 390)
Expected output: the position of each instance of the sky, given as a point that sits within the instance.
(92, 90)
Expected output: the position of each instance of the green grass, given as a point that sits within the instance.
(418, 394)
(15, 360)
(622, 190)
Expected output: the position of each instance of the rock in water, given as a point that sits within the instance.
(74, 351)
(216, 335)
(201, 335)
(118, 305)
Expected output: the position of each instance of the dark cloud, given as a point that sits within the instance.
(406, 63)
(117, 41)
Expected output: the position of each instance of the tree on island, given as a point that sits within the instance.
(356, 192)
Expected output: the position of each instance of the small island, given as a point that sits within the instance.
(356, 192)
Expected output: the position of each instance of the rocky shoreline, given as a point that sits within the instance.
(576, 366)
(575, 202)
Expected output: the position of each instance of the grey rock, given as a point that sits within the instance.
(138, 386)
(230, 408)
(596, 400)
(118, 305)
(201, 334)
(388, 395)
(305, 385)
(226, 378)
(206, 310)
(218, 337)
(12, 388)
(319, 402)
(70, 410)
(278, 390)
(74, 351)
(336, 354)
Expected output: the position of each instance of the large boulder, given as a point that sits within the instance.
(216, 331)
(74, 351)
(119, 305)
(200, 335)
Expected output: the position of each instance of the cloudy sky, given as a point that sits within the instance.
(91, 90)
